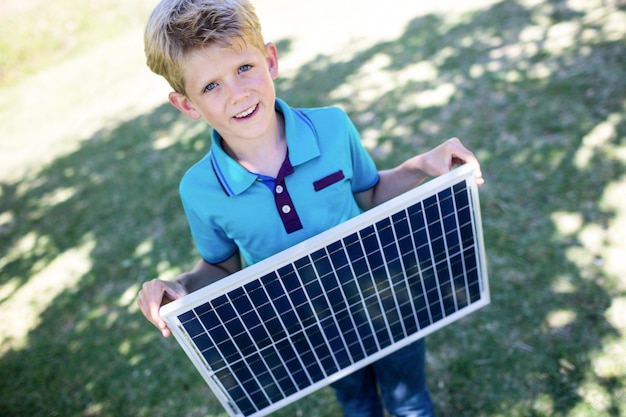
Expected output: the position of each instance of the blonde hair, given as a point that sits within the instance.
(177, 28)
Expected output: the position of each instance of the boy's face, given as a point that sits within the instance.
(232, 89)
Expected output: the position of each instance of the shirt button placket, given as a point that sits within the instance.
(285, 207)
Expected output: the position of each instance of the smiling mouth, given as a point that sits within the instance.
(246, 113)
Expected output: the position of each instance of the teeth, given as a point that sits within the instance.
(245, 113)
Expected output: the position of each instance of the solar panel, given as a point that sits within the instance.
(301, 319)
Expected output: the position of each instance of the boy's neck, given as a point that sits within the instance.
(263, 156)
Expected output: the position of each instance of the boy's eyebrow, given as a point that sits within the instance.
(245, 56)
(201, 80)
(198, 85)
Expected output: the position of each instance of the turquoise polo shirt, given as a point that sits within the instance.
(230, 208)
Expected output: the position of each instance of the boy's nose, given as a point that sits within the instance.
(238, 91)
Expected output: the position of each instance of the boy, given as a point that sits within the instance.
(274, 175)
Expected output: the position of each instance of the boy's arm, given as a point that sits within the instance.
(414, 171)
(157, 292)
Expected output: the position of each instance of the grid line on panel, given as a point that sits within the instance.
(462, 274)
(244, 370)
(433, 239)
(268, 381)
(460, 207)
(415, 281)
(308, 329)
(285, 339)
(341, 304)
(228, 350)
(220, 370)
(391, 255)
(356, 256)
(320, 309)
(379, 320)
(403, 252)
(301, 329)
(419, 229)
(399, 283)
(355, 301)
(325, 276)
(345, 322)
(472, 225)
(469, 246)
(448, 198)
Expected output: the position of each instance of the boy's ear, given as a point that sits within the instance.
(184, 105)
(271, 55)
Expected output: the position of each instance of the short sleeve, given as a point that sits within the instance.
(365, 172)
(211, 242)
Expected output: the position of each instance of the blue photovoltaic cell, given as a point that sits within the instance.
(329, 310)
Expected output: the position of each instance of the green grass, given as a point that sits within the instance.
(36, 33)
(536, 89)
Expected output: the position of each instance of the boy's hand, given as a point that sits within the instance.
(414, 171)
(444, 157)
(157, 293)
(153, 295)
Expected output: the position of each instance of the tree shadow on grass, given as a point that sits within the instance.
(523, 104)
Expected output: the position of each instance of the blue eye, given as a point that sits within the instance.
(210, 87)
(245, 68)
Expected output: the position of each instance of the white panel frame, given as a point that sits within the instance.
(171, 311)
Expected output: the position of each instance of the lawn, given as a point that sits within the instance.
(91, 155)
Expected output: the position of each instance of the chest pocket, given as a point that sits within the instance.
(328, 180)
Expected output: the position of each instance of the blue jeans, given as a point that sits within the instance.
(400, 379)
